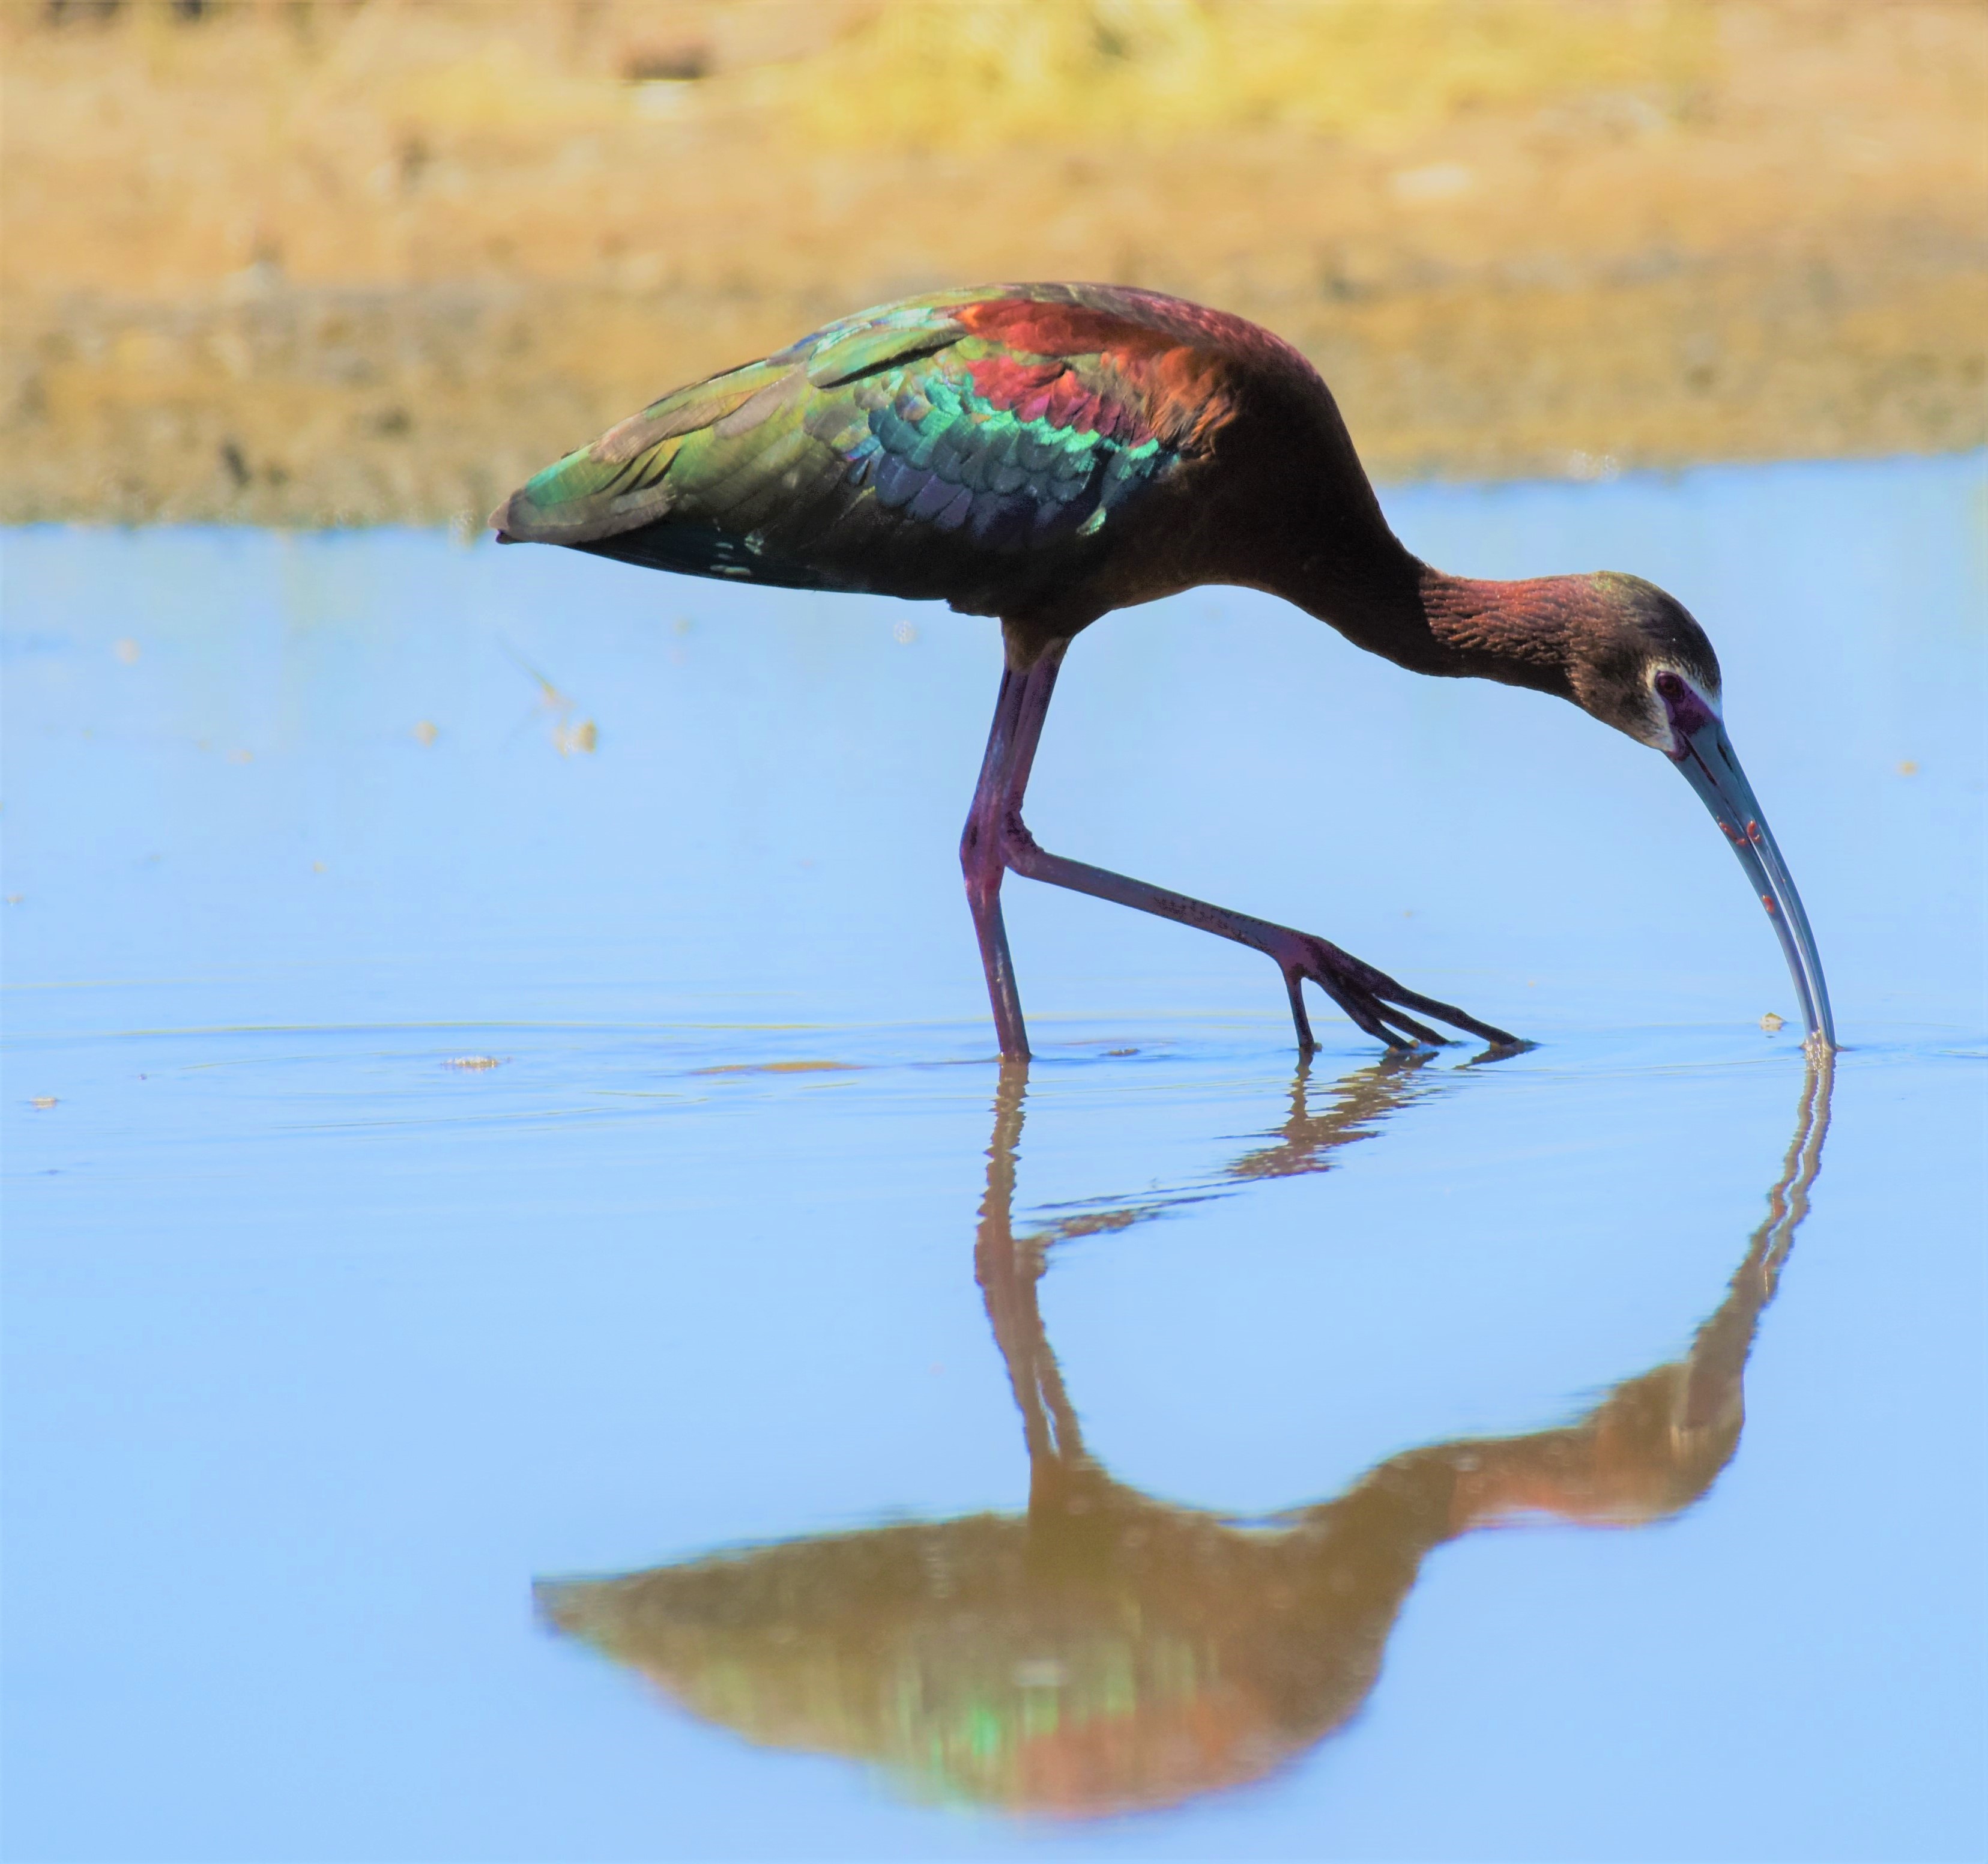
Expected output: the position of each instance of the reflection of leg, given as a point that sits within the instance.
(1008, 1273)
(1049, 1374)
(1306, 1141)
(994, 1265)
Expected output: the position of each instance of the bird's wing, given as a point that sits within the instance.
(912, 450)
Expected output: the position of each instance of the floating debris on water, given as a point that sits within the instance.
(778, 1067)
(1772, 1023)
(42, 1101)
(473, 1064)
(568, 735)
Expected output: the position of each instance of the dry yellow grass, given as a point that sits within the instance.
(368, 261)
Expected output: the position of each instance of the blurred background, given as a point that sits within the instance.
(351, 261)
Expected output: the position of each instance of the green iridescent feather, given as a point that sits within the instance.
(897, 451)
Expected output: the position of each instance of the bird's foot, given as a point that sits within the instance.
(1371, 998)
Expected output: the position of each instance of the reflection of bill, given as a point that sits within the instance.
(1105, 1651)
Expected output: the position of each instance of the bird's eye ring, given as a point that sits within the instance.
(1669, 686)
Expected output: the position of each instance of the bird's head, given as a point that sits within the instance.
(1627, 646)
(1633, 657)
(1629, 655)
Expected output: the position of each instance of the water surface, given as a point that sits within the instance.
(1172, 1453)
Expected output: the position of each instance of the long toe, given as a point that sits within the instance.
(1380, 1005)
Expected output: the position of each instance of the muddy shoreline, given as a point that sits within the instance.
(350, 405)
(380, 269)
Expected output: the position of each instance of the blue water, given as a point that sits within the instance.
(321, 1348)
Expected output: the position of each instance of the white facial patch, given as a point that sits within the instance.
(1665, 737)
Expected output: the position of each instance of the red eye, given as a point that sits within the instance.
(1670, 685)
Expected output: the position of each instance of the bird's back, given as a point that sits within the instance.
(1041, 452)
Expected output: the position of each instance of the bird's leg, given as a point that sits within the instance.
(996, 838)
(1004, 774)
(1371, 998)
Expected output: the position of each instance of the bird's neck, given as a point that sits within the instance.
(1453, 627)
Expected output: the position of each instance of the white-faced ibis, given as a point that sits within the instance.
(1045, 453)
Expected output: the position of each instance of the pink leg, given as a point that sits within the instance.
(1019, 713)
(1369, 997)
(997, 839)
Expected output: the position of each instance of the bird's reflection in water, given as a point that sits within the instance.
(1106, 1652)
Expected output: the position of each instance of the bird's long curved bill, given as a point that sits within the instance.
(1711, 769)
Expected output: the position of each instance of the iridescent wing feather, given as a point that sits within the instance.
(970, 445)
